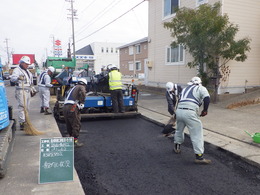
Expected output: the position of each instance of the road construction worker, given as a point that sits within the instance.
(173, 92)
(23, 80)
(74, 102)
(44, 85)
(187, 114)
(115, 87)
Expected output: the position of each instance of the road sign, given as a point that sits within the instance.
(57, 42)
(56, 160)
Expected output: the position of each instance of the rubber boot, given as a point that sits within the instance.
(46, 112)
(42, 110)
(201, 160)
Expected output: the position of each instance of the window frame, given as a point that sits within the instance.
(200, 2)
(140, 65)
(138, 49)
(131, 50)
(163, 10)
(169, 57)
(130, 66)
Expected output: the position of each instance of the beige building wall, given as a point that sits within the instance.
(160, 38)
(245, 14)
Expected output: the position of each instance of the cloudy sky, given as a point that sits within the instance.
(30, 25)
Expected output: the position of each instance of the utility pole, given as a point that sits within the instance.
(7, 50)
(73, 13)
(53, 45)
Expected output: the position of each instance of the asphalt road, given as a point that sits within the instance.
(130, 156)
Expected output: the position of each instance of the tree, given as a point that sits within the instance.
(208, 36)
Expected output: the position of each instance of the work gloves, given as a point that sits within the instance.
(21, 78)
(203, 113)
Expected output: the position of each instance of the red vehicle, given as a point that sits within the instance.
(16, 58)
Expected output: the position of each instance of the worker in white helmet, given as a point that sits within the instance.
(173, 92)
(187, 114)
(115, 87)
(23, 80)
(74, 102)
(44, 85)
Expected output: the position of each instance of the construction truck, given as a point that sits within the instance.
(7, 128)
(98, 101)
(60, 64)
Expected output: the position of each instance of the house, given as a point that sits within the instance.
(170, 64)
(98, 54)
(85, 56)
(132, 58)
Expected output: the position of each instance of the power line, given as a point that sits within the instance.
(98, 16)
(111, 21)
(88, 6)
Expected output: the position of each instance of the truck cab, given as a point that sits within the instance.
(7, 127)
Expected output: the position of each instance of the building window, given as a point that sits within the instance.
(131, 66)
(112, 50)
(107, 50)
(175, 55)
(138, 66)
(131, 50)
(102, 49)
(200, 2)
(170, 6)
(138, 49)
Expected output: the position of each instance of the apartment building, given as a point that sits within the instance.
(170, 64)
(98, 54)
(133, 57)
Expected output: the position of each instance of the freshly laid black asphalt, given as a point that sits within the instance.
(130, 156)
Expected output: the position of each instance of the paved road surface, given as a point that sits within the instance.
(130, 156)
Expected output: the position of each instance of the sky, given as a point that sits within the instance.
(31, 26)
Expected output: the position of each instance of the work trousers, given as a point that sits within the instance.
(191, 120)
(117, 100)
(72, 120)
(45, 95)
(19, 95)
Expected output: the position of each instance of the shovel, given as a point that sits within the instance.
(255, 137)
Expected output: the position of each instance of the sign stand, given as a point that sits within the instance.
(56, 160)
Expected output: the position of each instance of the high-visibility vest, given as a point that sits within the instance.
(115, 81)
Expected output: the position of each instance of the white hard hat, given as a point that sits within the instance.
(52, 69)
(195, 81)
(169, 86)
(82, 81)
(25, 59)
(112, 66)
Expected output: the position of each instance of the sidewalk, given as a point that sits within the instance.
(23, 168)
(223, 127)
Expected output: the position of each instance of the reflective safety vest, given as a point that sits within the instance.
(41, 79)
(69, 99)
(115, 80)
(187, 95)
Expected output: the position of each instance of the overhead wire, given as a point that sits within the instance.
(98, 16)
(111, 21)
(88, 6)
